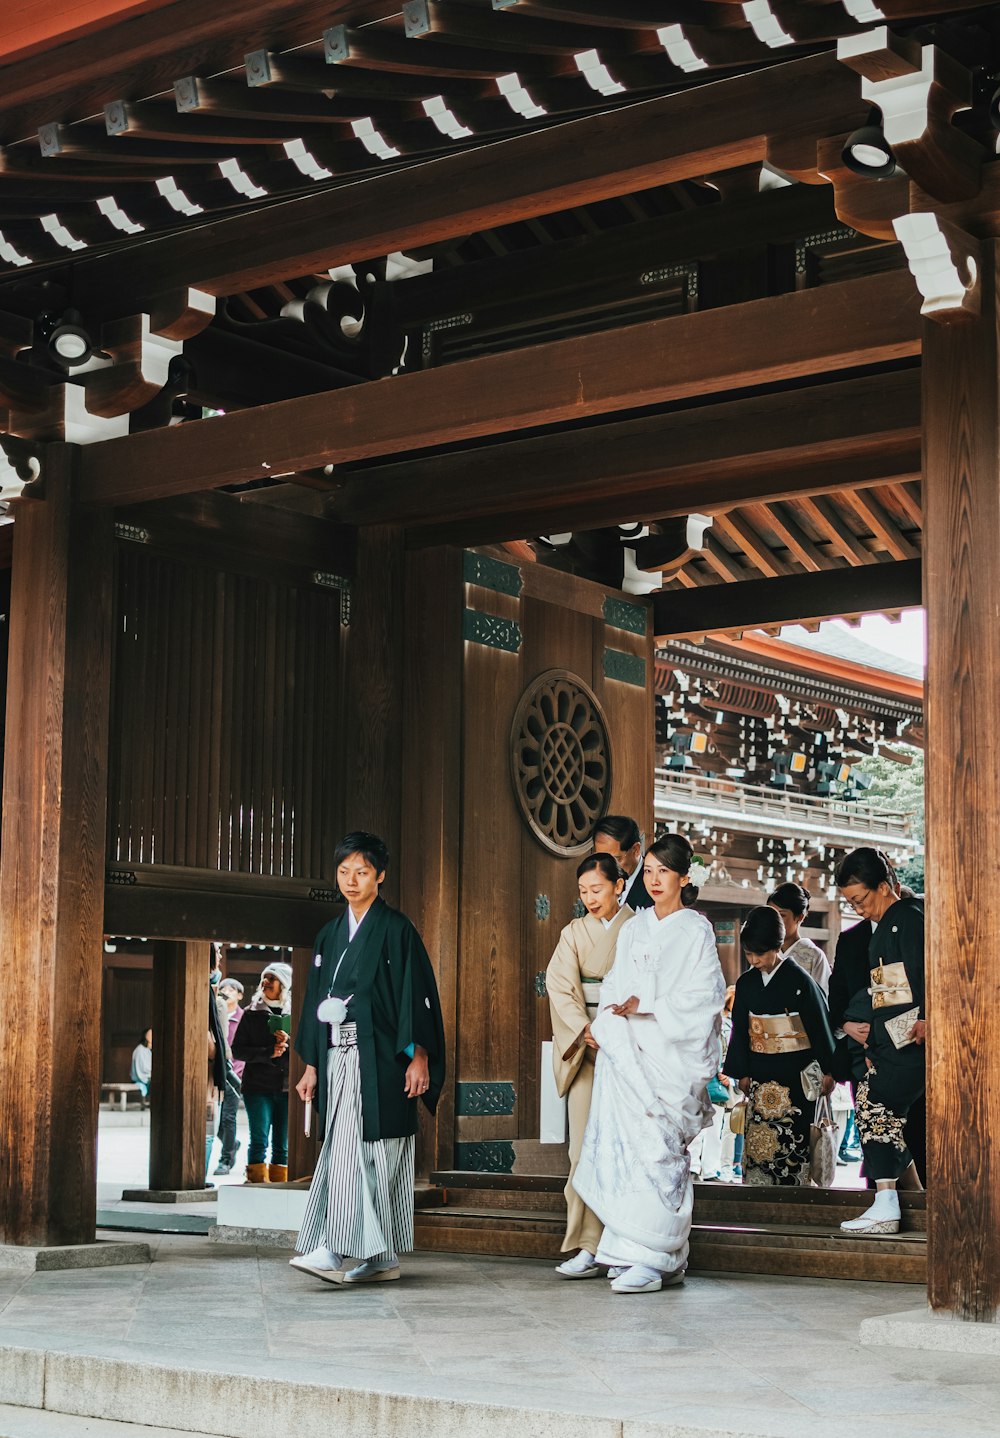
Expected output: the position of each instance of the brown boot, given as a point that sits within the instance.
(278, 1173)
(256, 1173)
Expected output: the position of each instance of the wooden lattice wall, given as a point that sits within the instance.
(225, 698)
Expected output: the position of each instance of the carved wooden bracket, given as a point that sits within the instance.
(868, 206)
(946, 264)
(919, 89)
(20, 470)
(92, 402)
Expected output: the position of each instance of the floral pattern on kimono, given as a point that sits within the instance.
(876, 1121)
(776, 1142)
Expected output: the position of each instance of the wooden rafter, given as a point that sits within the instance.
(868, 509)
(751, 544)
(782, 520)
(652, 142)
(827, 518)
(908, 498)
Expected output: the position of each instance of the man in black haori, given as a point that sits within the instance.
(372, 1039)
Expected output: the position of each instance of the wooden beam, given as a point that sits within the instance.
(654, 142)
(252, 538)
(789, 600)
(864, 321)
(709, 457)
(961, 497)
(236, 917)
(177, 1095)
(52, 865)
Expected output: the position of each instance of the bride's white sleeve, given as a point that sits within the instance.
(688, 1009)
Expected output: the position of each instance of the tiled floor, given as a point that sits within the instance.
(745, 1354)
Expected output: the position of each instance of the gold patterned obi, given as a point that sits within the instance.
(777, 1034)
(890, 986)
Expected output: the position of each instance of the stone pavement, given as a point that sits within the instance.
(224, 1340)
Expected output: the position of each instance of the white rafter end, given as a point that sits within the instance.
(597, 74)
(518, 98)
(446, 120)
(766, 25)
(373, 141)
(679, 48)
(305, 161)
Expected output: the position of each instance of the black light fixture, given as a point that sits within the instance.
(994, 111)
(868, 152)
(68, 341)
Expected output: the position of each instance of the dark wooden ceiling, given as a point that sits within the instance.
(187, 134)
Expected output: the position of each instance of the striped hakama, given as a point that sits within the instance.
(361, 1197)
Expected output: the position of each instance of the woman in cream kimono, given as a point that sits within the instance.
(658, 1034)
(584, 954)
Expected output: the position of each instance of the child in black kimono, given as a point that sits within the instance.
(780, 1027)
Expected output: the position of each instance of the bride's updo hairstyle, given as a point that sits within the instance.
(675, 853)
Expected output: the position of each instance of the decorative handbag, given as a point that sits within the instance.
(737, 1118)
(717, 1091)
(900, 1029)
(823, 1146)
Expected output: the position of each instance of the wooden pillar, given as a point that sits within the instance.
(431, 802)
(52, 866)
(302, 1152)
(961, 499)
(373, 724)
(178, 1092)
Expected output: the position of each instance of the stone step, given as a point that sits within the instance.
(787, 1249)
(40, 1423)
(714, 1202)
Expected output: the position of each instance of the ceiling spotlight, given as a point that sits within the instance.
(69, 343)
(867, 152)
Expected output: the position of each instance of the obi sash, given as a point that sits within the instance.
(777, 1034)
(890, 986)
(592, 996)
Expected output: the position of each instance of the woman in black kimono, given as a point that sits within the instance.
(894, 1045)
(780, 1027)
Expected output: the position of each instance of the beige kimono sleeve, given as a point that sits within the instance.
(568, 1009)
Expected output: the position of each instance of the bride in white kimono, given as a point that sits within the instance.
(657, 1029)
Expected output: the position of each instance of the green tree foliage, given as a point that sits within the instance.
(900, 786)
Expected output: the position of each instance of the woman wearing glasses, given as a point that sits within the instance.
(896, 1030)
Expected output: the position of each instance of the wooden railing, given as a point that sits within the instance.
(754, 805)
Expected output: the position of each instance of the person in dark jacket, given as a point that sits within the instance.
(894, 1055)
(262, 1043)
(372, 1041)
(620, 836)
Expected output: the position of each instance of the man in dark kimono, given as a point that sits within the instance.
(620, 836)
(372, 1039)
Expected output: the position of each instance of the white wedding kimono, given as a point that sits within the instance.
(650, 1096)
